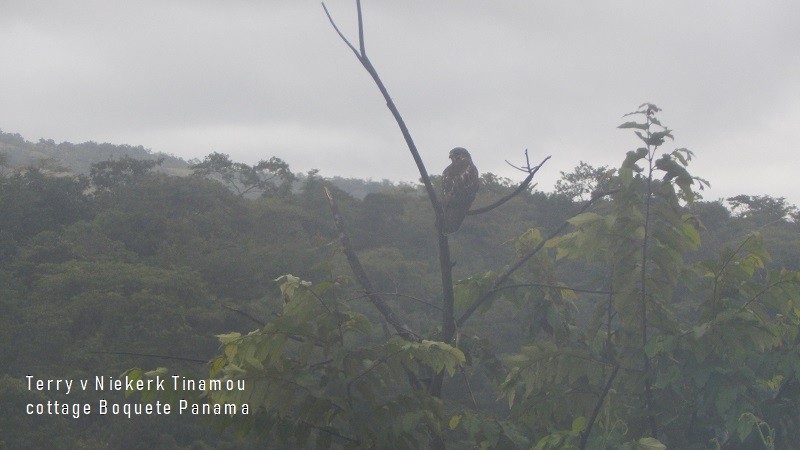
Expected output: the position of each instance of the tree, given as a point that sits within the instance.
(106, 175)
(267, 177)
(32, 202)
(583, 181)
(320, 373)
(762, 209)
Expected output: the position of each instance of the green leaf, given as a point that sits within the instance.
(584, 218)
(625, 176)
(454, 421)
(578, 424)
(650, 443)
(228, 338)
(744, 427)
(641, 126)
(632, 157)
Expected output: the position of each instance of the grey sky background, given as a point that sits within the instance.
(257, 79)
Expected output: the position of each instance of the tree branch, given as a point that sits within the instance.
(362, 278)
(585, 433)
(522, 186)
(553, 286)
(245, 314)
(522, 260)
(448, 297)
(364, 60)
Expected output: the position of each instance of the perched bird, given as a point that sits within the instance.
(460, 181)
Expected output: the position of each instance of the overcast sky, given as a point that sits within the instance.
(260, 78)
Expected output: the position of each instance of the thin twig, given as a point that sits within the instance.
(331, 432)
(531, 172)
(410, 297)
(469, 388)
(554, 286)
(245, 314)
(339, 32)
(360, 30)
(412, 147)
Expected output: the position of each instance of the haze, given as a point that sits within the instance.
(257, 79)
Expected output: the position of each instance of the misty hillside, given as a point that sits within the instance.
(138, 271)
(78, 159)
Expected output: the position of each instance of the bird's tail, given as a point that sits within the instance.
(452, 220)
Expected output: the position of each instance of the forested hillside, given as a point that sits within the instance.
(125, 266)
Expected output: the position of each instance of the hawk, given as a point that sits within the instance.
(460, 181)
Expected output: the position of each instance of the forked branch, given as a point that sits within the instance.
(361, 55)
(522, 186)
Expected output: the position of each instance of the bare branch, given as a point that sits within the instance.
(364, 60)
(360, 30)
(531, 172)
(362, 278)
(553, 286)
(340, 33)
(245, 314)
(469, 387)
(331, 432)
(527, 167)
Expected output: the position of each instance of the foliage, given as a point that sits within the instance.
(32, 202)
(583, 181)
(311, 382)
(78, 158)
(637, 371)
(762, 208)
(106, 175)
(267, 176)
(619, 327)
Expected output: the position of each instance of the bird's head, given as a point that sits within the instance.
(459, 154)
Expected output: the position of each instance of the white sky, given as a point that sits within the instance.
(260, 78)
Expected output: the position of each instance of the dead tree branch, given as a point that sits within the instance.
(522, 186)
(361, 55)
(446, 266)
(362, 278)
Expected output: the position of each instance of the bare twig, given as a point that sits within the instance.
(522, 186)
(448, 298)
(553, 286)
(331, 432)
(469, 387)
(245, 314)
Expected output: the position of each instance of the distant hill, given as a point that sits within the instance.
(78, 158)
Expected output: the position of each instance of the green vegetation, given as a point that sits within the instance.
(636, 315)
